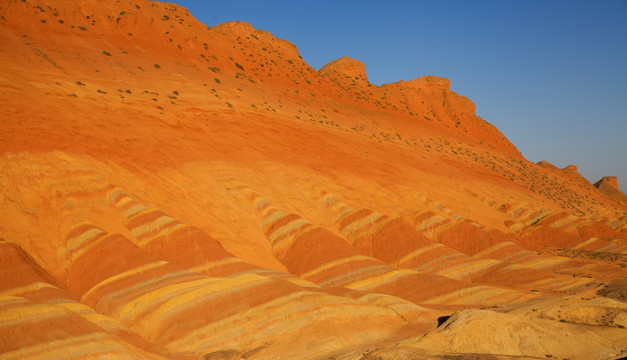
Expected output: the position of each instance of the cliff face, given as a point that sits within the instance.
(176, 191)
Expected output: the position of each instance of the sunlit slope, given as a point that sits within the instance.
(175, 191)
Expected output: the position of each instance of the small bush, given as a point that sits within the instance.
(82, 28)
(106, 53)
(217, 80)
(157, 66)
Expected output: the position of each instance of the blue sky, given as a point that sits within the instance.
(551, 75)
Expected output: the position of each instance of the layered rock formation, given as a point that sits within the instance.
(608, 185)
(173, 191)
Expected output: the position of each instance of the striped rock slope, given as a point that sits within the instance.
(568, 231)
(561, 229)
(481, 243)
(320, 256)
(40, 320)
(173, 190)
(395, 241)
(189, 312)
(171, 240)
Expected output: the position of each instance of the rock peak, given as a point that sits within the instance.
(608, 185)
(609, 180)
(345, 67)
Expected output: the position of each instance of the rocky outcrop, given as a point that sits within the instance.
(347, 72)
(608, 185)
(484, 331)
(607, 180)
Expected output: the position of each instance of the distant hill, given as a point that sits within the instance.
(608, 185)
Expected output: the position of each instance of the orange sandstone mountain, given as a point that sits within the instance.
(608, 185)
(173, 191)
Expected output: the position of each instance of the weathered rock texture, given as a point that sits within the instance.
(172, 191)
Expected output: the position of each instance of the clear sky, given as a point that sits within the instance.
(551, 75)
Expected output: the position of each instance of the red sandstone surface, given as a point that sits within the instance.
(173, 191)
(608, 185)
